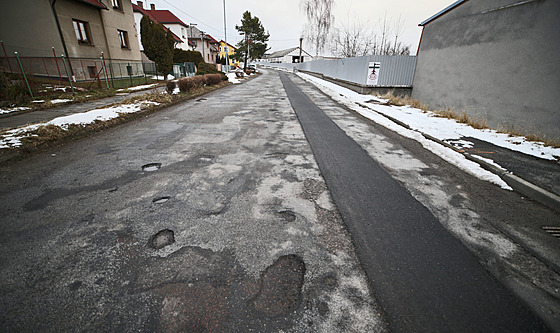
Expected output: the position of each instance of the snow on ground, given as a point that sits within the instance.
(350, 98)
(9, 110)
(58, 101)
(12, 138)
(441, 128)
(142, 87)
(232, 77)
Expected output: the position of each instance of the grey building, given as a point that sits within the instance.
(497, 59)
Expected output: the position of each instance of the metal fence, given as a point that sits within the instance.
(86, 73)
(392, 71)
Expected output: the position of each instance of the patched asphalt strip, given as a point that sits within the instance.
(423, 277)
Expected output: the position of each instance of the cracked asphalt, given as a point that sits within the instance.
(212, 216)
(256, 245)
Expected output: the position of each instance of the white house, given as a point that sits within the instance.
(288, 56)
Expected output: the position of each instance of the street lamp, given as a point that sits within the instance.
(226, 49)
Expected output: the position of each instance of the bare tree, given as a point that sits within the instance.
(319, 21)
(356, 39)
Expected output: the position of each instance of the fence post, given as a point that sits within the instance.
(68, 74)
(24, 77)
(58, 68)
(105, 69)
(7, 59)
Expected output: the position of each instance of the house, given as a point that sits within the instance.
(226, 47)
(79, 29)
(288, 56)
(168, 20)
(203, 43)
(496, 60)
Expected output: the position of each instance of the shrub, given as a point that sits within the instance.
(212, 79)
(170, 86)
(204, 68)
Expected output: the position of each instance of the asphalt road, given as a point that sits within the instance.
(213, 215)
(423, 277)
(229, 180)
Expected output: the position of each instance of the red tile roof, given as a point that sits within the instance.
(149, 14)
(94, 3)
(165, 16)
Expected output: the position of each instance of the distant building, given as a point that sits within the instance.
(496, 60)
(230, 52)
(288, 56)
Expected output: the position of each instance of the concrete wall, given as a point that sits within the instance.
(23, 21)
(496, 61)
(29, 27)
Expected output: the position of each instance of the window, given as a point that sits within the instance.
(92, 71)
(123, 37)
(183, 32)
(116, 4)
(81, 29)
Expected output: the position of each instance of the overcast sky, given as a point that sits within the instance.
(285, 21)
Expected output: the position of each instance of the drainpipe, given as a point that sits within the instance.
(61, 36)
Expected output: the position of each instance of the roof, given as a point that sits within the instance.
(165, 16)
(442, 12)
(212, 40)
(282, 53)
(228, 44)
(151, 17)
(94, 3)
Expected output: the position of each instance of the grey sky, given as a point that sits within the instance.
(285, 21)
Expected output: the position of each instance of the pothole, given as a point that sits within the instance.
(151, 167)
(161, 200)
(162, 239)
(287, 215)
(201, 99)
(205, 158)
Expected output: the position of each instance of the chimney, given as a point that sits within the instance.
(153, 6)
(140, 4)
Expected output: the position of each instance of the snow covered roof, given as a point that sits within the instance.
(442, 12)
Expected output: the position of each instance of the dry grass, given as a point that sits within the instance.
(473, 121)
(529, 134)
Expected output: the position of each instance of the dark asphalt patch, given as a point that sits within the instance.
(162, 239)
(281, 283)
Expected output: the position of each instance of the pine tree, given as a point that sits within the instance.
(255, 36)
(158, 45)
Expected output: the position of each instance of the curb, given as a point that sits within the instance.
(518, 184)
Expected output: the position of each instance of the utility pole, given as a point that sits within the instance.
(202, 37)
(246, 53)
(226, 48)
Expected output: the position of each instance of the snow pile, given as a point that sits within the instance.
(142, 87)
(350, 98)
(232, 77)
(9, 110)
(12, 138)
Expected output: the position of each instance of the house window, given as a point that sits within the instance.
(183, 32)
(116, 4)
(81, 29)
(123, 37)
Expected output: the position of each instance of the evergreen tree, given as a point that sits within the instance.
(158, 45)
(255, 36)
